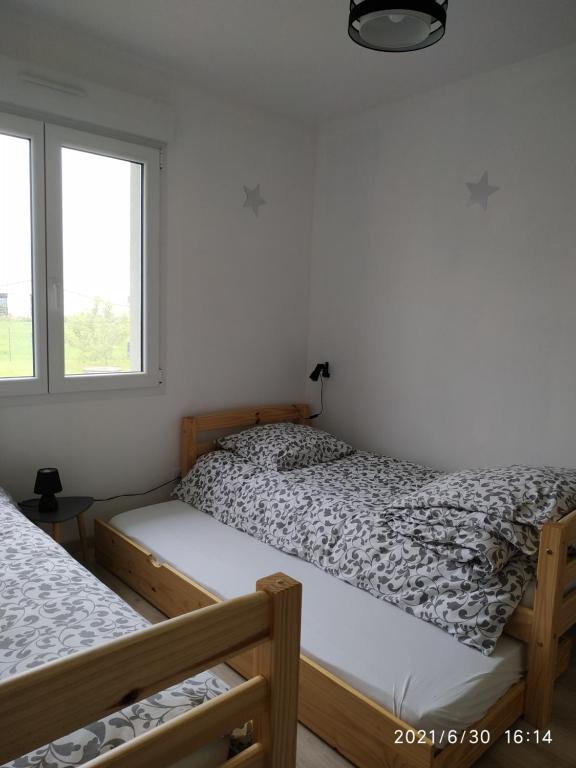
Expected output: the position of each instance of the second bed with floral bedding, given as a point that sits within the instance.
(457, 550)
(50, 608)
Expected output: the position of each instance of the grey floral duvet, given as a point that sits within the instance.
(456, 550)
(51, 607)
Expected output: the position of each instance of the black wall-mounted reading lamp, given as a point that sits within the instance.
(321, 371)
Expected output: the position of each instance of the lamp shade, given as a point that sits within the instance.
(397, 25)
(47, 482)
(322, 369)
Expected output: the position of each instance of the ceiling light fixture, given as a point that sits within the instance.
(400, 25)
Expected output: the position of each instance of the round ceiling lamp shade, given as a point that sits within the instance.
(403, 25)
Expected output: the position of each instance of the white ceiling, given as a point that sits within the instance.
(294, 57)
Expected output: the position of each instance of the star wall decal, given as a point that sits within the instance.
(480, 191)
(253, 199)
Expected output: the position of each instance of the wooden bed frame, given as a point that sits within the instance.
(48, 702)
(359, 728)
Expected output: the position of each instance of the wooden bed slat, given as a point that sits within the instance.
(123, 672)
(567, 613)
(569, 573)
(569, 525)
(564, 655)
(247, 417)
(181, 736)
(253, 757)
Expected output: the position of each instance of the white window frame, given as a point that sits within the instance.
(47, 141)
(57, 138)
(33, 130)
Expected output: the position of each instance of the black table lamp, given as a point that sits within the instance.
(47, 484)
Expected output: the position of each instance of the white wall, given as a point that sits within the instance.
(234, 299)
(452, 330)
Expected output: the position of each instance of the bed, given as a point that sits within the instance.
(84, 680)
(339, 700)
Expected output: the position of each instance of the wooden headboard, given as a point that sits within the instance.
(195, 427)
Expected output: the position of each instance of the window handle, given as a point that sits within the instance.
(57, 289)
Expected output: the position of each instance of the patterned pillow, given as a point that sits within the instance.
(286, 446)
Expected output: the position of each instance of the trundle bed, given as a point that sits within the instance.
(181, 559)
(84, 680)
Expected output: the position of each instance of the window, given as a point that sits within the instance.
(23, 361)
(78, 260)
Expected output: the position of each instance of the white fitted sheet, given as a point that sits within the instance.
(410, 667)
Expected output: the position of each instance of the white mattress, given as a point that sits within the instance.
(413, 669)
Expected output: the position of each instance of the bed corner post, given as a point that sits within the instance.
(543, 646)
(304, 412)
(278, 660)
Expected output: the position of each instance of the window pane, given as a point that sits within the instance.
(102, 253)
(16, 328)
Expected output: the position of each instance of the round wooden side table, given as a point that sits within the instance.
(69, 507)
